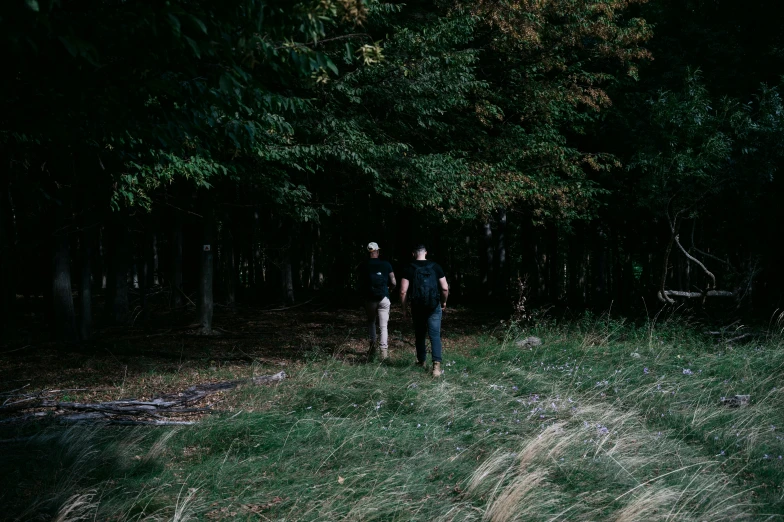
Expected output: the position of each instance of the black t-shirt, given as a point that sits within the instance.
(375, 266)
(409, 272)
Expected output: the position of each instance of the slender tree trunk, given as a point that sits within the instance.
(151, 259)
(242, 266)
(287, 276)
(542, 278)
(261, 271)
(230, 263)
(600, 269)
(99, 262)
(318, 259)
(501, 264)
(85, 283)
(486, 258)
(62, 293)
(205, 302)
(144, 269)
(666, 259)
(310, 274)
(576, 268)
(687, 266)
(254, 279)
(468, 253)
(554, 265)
(8, 272)
(118, 273)
(176, 263)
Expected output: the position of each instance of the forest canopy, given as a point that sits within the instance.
(595, 151)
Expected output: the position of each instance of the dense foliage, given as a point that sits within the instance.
(601, 150)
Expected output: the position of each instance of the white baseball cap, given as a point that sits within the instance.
(372, 247)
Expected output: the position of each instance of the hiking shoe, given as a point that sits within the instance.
(371, 354)
(384, 354)
(437, 369)
(421, 364)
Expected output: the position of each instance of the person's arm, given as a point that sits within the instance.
(392, 282)
(444, 292)
(403, 291)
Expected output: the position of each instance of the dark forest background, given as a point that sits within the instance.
(615, 154)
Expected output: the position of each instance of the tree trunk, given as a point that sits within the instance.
(576, 268)
(205, 302)
(673, 229)
(8, 273)
(151, 260)
(486, 259)
(310, 265)
(99, 261)
(62, 296)
(253, 279)
(176, 263)
(144, 273)
(117, 284)
(260, 272)
(540, 253)
(85, 284)
(318, 259)
(554, 266)
(287, 275)
(501, 265)
(229, 264)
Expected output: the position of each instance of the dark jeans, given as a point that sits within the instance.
(427, 322)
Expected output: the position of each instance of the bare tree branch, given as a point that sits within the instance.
(706, 254)
(697, 261)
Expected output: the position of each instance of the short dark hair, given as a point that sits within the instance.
(419, 247)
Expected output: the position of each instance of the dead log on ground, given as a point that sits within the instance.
(157, 411)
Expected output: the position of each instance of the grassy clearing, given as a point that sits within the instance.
(604, 421)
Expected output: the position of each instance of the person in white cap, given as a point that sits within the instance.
(375, 280)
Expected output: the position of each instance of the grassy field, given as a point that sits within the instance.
(603, 421)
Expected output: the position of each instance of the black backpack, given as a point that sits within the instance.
(424, 291)
(378, 284)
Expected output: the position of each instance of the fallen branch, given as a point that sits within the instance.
(132, 411)
(97, 417)
(709, 293)
(741, 337)
(289, 307)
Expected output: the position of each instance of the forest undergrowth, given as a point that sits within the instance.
(604, 421)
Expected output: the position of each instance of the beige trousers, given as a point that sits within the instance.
(378, 310)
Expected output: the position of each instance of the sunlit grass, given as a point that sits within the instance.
(604, 421)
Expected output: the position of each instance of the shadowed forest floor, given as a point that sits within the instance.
(141, 363)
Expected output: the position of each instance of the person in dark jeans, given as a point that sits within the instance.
(424, 286)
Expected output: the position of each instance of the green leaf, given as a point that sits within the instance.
(199, 23)
(70, 46)
(332, 67)
(225, 83)
(175, 22)
(194, 46)
(33, 5)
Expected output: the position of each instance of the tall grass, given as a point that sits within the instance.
(604, 421)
